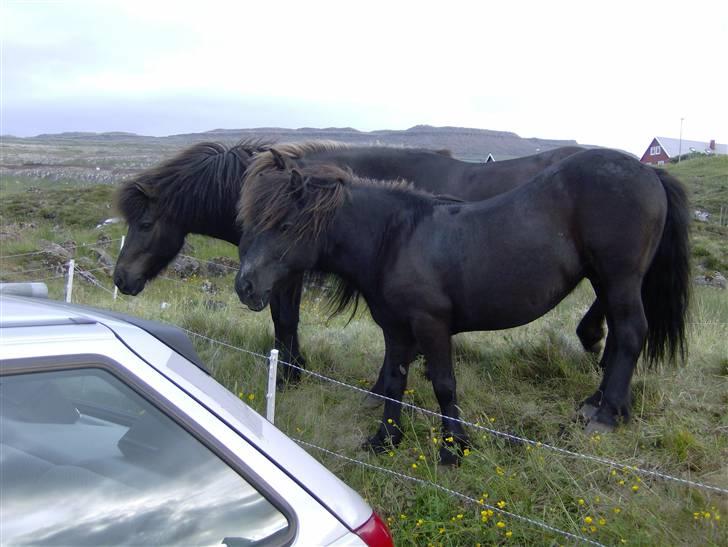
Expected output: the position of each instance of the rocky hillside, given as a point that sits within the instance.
(109, 157)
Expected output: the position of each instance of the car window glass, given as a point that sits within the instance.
(84, 460)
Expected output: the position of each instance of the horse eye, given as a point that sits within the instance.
(146, 226)
(285, 227)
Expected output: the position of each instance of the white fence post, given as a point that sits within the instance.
(270, 396)
(69, 281)
(121, 246)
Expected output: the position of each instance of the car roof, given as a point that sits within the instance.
(21, 311)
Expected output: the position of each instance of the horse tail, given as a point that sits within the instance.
(666, 287)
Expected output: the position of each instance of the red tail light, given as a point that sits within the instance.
(375, 533)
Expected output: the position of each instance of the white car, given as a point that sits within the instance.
(113, 432)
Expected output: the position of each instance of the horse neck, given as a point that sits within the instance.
(357, 238)
(215, 216)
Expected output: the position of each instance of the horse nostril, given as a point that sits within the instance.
(244, 287)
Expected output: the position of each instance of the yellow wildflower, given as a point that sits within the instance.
(509, 534)
(635, 488)
(501, 504)
(602, 521)
(500, 524)
(414, 466)
(580, 501)
(588, 520)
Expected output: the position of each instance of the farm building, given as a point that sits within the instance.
(663, 149)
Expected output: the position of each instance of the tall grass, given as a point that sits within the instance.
(527, 381)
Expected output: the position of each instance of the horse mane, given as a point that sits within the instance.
(298, 150)
(265, 160)
(268, 198)
(192, 184)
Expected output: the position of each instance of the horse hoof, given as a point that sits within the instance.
(586, 412)
(372, 402)
(449, 457)
(598, 427)
(376, 445)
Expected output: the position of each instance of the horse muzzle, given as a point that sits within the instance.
(127, 285)
(249, 296)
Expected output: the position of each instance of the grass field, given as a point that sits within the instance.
(526, 381)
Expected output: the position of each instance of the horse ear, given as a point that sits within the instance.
(278, 159)
(143, 189)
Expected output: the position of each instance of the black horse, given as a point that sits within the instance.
(435, 171)
(429, 269)
(197, 191)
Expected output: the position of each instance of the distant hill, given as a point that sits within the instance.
(465, 143)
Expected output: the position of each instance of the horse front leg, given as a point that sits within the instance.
(397, 358)
(435, 340)
(285, 303)
(372, 401)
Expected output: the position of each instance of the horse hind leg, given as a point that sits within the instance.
(591, 329)
(627, 332)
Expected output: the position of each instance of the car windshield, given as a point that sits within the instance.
(85, 460)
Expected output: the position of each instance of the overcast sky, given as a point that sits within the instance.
(608, 73)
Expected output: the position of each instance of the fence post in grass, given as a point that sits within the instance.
(121, 246)
(270, 396)
(69, 280)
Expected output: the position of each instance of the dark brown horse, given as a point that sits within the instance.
(429, 269)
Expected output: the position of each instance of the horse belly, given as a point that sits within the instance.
(512, 289)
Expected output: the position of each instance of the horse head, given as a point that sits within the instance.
(285, 214)
(153, 238)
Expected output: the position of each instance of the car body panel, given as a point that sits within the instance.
(74, 339)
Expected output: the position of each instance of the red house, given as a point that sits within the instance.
(662, 149)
